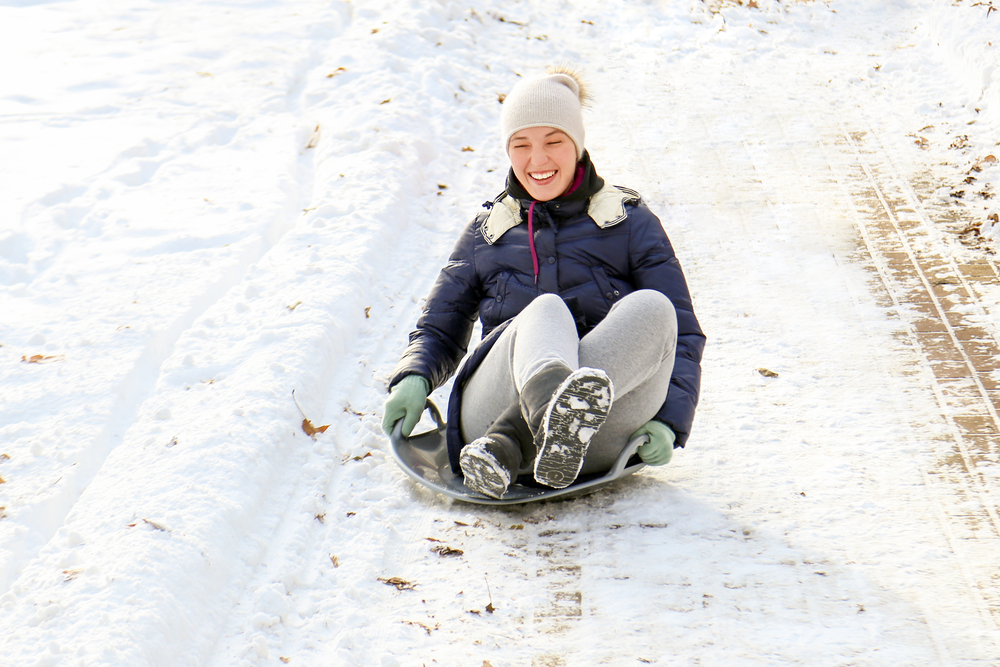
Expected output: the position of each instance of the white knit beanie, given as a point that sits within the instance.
(551, 100)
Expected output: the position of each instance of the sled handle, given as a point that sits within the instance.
(397, 431)
(630, 449)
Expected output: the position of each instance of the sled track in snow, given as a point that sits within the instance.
(960, 354)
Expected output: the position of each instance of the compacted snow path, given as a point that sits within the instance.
(276, 189)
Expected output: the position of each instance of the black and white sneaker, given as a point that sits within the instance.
(577, 410)
(483, 472)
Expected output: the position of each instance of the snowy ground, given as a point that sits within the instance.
(207, 206)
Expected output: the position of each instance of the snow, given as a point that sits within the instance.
(208, 206)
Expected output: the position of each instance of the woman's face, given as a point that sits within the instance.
(544, 160)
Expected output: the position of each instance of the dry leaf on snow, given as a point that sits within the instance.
(41, 358)
(428, 629)
(445, 551)
(400, 584)
(960, 142)
(310, 429)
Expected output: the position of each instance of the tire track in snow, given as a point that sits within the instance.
(959, 353)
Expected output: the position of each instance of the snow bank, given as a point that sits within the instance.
(969, 35)
(137, 207)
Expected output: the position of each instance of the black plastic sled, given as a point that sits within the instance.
(424, 457)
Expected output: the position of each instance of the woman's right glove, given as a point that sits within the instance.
(406, 401)
(660, 448)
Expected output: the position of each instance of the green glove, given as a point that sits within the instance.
(406, 401)
(660, 448)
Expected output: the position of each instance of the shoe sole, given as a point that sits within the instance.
(483, 473)
(577, 410)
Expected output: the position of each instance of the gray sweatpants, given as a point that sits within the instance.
(634, 345)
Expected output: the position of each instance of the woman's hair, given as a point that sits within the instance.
(555, 99)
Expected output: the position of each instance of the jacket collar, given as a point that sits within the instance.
(606, 207)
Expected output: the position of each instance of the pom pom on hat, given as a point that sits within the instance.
(554, 100)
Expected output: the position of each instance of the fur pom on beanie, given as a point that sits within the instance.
(554, 100)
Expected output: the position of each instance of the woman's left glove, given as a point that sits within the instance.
(406, 401)
(660, 448)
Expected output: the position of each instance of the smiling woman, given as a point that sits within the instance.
(542, 126)
(544, 161)
(589, 336)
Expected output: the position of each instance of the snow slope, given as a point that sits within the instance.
(209, 206)
(967, 35)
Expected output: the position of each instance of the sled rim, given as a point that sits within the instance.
(424, 457)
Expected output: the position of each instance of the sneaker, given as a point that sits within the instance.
(577, 410)
(483, 472)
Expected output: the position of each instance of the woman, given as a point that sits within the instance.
(589, 335)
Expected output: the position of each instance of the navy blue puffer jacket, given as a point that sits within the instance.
(591, 252)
